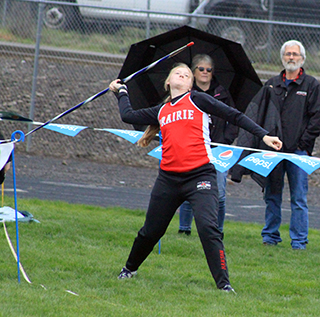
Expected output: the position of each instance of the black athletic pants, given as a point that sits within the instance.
(199, 187)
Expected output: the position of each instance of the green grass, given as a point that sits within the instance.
(117, 42)
(82, 249)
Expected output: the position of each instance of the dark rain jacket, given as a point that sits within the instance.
(292, 113)
(221, 131)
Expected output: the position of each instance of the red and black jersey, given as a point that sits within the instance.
(185, 132)
(185, 127)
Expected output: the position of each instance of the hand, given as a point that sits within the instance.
(115, 85)
(272, 141)
(7, 167)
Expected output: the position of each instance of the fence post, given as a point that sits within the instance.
(35, 69)
(270, 30)
(4, 13)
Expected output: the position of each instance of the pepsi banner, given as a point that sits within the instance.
(157, 152)
(225, 157)
(308, 163)
(67, 129)
(130, 135)
(262, 163)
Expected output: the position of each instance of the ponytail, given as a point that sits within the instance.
(148, 135)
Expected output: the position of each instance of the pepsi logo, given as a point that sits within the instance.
(226, 155)
(269, 155)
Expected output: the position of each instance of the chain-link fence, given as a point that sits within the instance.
(56, 54)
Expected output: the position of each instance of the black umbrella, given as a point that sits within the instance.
(232, 66)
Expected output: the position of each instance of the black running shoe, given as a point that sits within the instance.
(125, 273)
(228, 289)
(186, 232)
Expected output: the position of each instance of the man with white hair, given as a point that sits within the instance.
(288, 106)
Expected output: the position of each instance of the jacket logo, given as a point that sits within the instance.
(203, 185)
(301, 93)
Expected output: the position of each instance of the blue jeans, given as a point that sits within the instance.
(186, 214)
(299, 223)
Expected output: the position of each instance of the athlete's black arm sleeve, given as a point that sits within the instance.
(215, 107)
(141, 116)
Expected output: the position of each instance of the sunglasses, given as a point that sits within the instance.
(201, 69)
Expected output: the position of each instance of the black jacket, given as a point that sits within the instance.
(299, 110)
(292, 113)
(221, 131)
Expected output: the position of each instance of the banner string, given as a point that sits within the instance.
(106, 129)
(14, 253)
(20, 265)
(248, 148)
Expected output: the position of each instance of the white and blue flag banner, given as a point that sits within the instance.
(225, 157)
(130, 135)
(5, 151)
(67, 129)
(157, 152)
(72, 130)
(262, 163)
(308, 163)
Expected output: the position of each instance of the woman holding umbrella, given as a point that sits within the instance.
(185, 171)
(221, 131)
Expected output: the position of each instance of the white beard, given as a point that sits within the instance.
(292, 66)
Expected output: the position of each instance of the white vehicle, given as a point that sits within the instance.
(62, 16)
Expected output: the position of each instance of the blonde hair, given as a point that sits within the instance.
(148, 135)
(152, 130)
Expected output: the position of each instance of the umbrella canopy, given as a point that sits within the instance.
(232, 66)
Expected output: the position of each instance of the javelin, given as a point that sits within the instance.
(143, 70)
